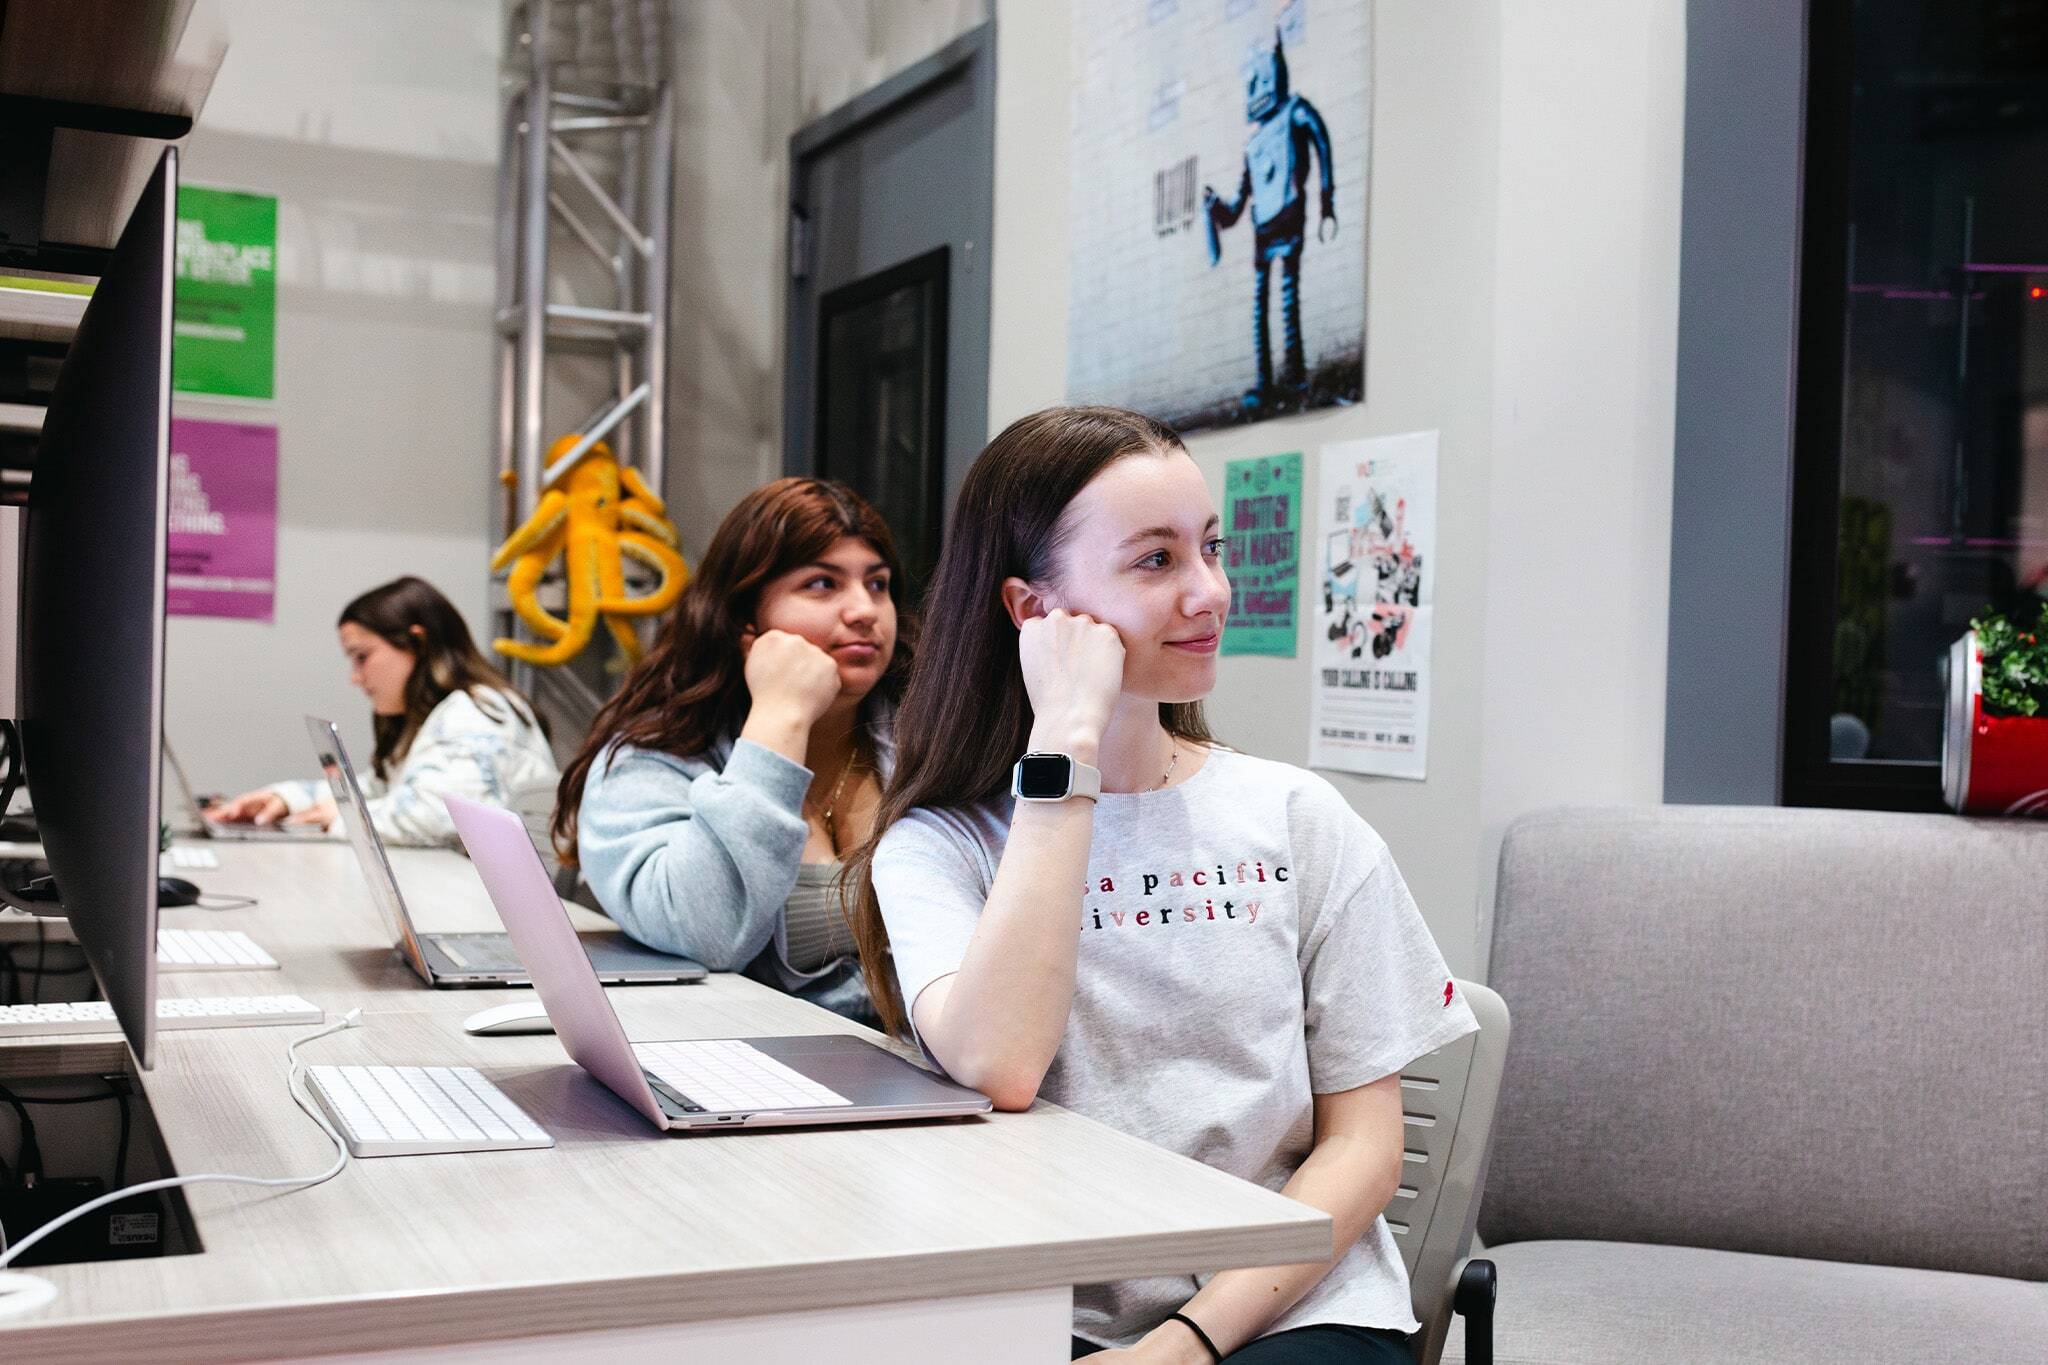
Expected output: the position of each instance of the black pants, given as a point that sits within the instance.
(1325, 1343)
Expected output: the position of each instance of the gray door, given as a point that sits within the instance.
(886, 377)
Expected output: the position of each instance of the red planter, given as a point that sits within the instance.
(1990, 765)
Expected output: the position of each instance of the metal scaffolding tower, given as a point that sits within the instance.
(588, 142)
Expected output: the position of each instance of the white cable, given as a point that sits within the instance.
(17, 1291)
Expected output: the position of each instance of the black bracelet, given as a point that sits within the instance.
(1200, 1335)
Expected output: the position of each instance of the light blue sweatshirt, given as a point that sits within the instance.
(698, 856)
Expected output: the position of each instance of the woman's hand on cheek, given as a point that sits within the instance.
(1073, 672)
(789, 675)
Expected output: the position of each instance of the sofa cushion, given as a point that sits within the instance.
(1795, 1032)
(1615, 1303)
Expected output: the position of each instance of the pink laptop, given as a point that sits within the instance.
(694, 1084)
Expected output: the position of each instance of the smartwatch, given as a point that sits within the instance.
(1054, 777)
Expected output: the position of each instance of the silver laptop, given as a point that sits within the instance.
(475, 959)
(243, 832)
(688, 1085)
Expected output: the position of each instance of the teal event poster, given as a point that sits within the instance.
(1262, 555)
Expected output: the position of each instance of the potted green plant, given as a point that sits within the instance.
(1994, 755)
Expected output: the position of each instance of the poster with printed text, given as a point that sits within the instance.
(224, 300)
(1218, 207)
(1375, 558)
(1262, 553)
(221, 557)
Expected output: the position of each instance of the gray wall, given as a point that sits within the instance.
(1731, 503)
(749, 74)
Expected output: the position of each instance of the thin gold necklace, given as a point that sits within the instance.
(1171, 764)
(832, 802)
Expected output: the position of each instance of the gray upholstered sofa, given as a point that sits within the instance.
(1777, 1089)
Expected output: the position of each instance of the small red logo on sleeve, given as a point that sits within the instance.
(1447, 994)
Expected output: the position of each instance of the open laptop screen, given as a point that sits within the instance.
(362, 836)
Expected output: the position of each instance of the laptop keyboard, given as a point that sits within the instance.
(480, 952)
(722, 1075)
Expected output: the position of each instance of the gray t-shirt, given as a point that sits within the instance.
(1246, 944)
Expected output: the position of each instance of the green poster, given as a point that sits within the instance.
(224, 309)
(1262, 538)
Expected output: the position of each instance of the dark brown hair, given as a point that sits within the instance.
(690, 691)
(966, 717)
(411, 614)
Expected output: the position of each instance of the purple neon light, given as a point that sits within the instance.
(1893, 291)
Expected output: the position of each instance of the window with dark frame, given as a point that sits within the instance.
(1920, 470)
(881, 415)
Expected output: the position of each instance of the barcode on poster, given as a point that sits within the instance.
(1173, 198)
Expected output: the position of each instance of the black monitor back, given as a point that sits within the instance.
(92, 613)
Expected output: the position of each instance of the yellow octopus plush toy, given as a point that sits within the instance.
(596, 517)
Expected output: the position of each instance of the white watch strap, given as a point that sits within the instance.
(1087, 780)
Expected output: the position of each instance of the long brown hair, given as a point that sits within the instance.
(966, 717)
(411, 614)
(690, 691)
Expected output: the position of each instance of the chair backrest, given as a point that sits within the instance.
(1793, 1032)
(1447, 1104)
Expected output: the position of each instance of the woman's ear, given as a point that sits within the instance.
(1023, 601)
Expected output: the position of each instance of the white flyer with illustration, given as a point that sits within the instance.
(1375, 553)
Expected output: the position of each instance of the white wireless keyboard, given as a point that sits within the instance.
(186, 856)
(210, 950)
(421, 1110)
(212, 1011)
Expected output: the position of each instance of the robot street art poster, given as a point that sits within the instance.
(1262, 553)
(1218, 204)
(1376, 527)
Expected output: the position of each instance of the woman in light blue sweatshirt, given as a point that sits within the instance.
(709, 808)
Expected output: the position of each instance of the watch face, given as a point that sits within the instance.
(1044, 777)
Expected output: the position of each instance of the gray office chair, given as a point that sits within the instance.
(1447, 1103)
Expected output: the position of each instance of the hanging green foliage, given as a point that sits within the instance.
(2015, 664)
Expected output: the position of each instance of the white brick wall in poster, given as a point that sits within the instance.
(1152, 325)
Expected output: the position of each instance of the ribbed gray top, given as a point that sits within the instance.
(814, 928)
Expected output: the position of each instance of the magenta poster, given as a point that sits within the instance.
(222, 559)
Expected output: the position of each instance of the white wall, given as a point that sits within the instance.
(1585, 352)
(374, 123)
(1522, 299)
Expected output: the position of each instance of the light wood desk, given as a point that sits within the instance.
(956, 1240)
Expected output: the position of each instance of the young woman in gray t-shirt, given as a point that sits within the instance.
(1210, 951)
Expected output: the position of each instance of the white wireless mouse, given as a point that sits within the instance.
(524, 1016)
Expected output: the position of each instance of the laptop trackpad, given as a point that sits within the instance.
(870, 1075)
(813, 1045)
